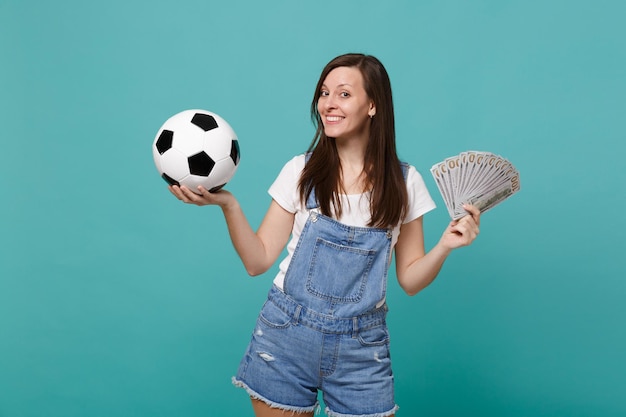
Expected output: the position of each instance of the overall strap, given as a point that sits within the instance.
(405, 169)
(311, 201)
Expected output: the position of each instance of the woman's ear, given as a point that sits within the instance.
(372, 111)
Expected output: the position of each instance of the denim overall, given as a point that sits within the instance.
(325, 330)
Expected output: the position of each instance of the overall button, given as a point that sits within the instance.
(313, 217)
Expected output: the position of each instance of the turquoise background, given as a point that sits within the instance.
(117, 300)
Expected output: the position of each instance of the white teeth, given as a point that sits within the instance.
(333, 118)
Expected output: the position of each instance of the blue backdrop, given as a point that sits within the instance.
(117, 300)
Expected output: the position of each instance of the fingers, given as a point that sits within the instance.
(467, 228)
(474, 212)
(462, 232)
(176, 192)
(185, 195)
(203, 192)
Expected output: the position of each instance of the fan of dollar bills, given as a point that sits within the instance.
(482, 179)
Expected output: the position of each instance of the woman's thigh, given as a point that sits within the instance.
(263, 410)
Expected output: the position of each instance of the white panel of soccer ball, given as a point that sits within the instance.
(196, 147)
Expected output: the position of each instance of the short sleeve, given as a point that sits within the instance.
(420, 201)
(284, 189)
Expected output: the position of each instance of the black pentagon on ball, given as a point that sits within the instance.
(164, 142)
(169, 180)
(204, 121)
(200, 164)
(217, 188)
(234, 152)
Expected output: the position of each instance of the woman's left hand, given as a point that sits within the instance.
(463, 231)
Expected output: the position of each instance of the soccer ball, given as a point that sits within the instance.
(196, 147)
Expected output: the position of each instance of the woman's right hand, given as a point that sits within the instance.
(203, 198)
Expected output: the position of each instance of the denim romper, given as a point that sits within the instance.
(325, 330)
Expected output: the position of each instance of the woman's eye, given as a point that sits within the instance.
(345, 94)
(323, 93)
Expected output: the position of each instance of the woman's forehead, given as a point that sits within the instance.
(342, 76)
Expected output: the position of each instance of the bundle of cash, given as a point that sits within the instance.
(479, 178)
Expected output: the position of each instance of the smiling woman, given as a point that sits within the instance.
(358, 151)
(116, 301)
(341, 209)
(345, 106)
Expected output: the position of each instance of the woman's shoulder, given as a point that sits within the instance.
(294, 166)
(420, 201)
(284, 189)
(291, 170)
(411, 174)
(298, 161)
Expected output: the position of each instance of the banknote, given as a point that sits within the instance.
(480, 178)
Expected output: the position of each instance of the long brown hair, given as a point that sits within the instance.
(388, 199)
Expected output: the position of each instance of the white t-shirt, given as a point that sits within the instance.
(355, 207)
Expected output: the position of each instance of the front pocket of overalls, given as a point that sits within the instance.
(339, 273)
(273, 316)
(376, 336)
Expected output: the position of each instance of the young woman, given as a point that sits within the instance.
(341, 209)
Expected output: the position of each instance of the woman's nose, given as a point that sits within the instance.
(329, 103)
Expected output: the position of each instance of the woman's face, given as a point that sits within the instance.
(344, 106)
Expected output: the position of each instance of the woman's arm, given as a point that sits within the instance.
(258, 251)
(415, 268)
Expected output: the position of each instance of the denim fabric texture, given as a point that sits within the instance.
(326, 329)
(296, 351)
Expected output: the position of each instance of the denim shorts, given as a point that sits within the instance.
(294, 352)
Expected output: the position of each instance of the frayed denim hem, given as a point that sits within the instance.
(331, 413)
(253, 394)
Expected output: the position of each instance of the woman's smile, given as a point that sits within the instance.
(344, 105)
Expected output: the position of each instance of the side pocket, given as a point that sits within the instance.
(273, 316)
(376, 336)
